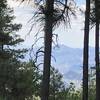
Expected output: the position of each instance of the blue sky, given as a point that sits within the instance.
(80, 1)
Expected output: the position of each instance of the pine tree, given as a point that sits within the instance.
(52, 13)
(97, 17)
(9, 56)
(86, 51)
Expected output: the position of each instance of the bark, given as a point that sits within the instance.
(85, 51)
(47, 49)
(97, 51)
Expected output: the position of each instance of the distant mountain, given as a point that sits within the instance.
(69, 61)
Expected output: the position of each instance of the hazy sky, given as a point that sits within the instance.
(72, 37)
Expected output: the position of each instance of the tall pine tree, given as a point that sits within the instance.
(9, 57)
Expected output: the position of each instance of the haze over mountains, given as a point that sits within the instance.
(69, 61)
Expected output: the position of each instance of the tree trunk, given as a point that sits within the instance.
(47, 49)
(97, 52)
(97, 62)
(85, 51)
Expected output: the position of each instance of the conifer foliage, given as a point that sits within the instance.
(9, 56)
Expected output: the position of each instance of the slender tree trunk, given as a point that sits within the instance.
(97, 52)
(85, 51)
(97, 62)
(47, 49)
